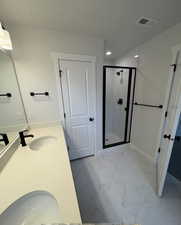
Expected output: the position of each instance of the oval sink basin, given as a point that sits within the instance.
(34, 208)
(42, 142)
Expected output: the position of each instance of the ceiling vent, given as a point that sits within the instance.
(146, 22)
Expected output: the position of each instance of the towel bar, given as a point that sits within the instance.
(146, 105)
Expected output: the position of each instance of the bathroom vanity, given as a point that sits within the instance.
(36, 180)
(43, 165)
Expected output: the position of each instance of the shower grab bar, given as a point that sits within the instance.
(42, 93)
(6, 95)
(146, 105)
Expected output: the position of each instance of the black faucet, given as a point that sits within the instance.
(23, 136)
(4, 139)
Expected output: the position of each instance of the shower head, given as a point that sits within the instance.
(119, 73)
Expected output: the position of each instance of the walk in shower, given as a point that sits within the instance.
(118, 97)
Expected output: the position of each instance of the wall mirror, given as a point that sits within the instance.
(12, 114)
(118, 97)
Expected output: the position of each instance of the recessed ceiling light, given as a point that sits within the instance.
(136, 56)
(108, 53)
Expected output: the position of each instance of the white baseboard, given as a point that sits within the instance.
(141, 152)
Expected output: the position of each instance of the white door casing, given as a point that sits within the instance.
(171, 121)
(79, 103)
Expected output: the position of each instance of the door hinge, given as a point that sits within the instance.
(166, 114)
(159, 150)
(174, 67)
(64, 115)
(60, 73)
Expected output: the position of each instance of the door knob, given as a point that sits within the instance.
(91, 119)
(168, 137)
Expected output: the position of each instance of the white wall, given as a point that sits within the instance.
(32, 55)
(151, 85)
(108, 61)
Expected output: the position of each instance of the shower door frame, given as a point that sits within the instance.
(132, 78)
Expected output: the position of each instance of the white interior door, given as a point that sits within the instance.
(171, 122)
(79, 97)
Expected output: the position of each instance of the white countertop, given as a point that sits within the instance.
(47, 169)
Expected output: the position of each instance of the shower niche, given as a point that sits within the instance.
(118, 98)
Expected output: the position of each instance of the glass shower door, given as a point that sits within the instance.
(116, 107)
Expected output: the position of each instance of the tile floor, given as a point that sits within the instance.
(119, 187)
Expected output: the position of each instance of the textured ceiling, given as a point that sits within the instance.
(112, 20)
